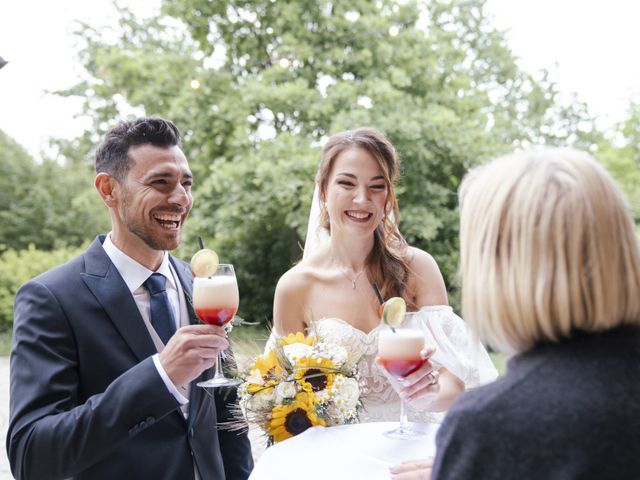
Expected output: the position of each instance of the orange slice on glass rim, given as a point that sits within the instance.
(204, 263)
(393, 311)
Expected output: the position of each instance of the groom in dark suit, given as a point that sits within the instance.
(105, 358)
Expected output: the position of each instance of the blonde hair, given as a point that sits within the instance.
(386, 264)
(547, 246)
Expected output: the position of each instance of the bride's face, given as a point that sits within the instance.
(356, 193)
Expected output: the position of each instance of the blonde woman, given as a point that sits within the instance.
(551, 275)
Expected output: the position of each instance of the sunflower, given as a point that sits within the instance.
(315, 373)
(295, 338)
(289, 420)
(269, 370)
(265, 388)
(268, 365)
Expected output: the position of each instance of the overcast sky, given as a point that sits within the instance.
(588, 45)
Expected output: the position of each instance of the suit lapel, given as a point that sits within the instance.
(106, 284)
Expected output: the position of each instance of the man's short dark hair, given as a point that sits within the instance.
(112, 155)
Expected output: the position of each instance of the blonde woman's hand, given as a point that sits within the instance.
(412, 470)
(420, 388)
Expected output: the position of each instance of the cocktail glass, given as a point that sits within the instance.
(215, 300)
(399, 351)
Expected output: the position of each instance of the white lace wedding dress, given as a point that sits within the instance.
(456, 350)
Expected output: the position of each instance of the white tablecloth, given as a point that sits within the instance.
(344, 452)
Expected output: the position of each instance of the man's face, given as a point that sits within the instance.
(153, 200)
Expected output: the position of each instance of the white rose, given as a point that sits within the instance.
(285, 390)
(296, 351)
(347, 390)
(262, 400)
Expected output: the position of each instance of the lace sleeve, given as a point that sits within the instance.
(457, 348)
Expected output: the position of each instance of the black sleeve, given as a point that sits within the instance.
(464, 449)
(234, 445)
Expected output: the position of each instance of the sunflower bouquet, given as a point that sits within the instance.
(299, 383)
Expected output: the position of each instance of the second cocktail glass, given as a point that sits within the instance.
(399, 351)
(216, 300)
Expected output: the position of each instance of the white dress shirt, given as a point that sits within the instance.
(134, 275)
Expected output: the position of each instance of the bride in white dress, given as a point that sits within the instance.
(332, 287)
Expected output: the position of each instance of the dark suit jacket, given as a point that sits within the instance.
(564, 411)
(86, 399)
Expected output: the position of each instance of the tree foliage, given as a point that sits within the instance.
(18, 266)
(622, 158)
(45, 204)
(16, 172)
(257, 86)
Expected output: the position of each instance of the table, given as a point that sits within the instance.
(343, 452)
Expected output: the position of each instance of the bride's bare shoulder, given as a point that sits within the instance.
(298, 278)
(291, 298)
(297, 282)
(425, 278)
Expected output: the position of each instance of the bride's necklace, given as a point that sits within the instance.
(354, 279)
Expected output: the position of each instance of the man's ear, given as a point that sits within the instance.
(106, 186)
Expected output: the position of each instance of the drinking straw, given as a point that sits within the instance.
(378, 294)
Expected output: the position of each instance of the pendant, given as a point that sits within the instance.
(353, 284)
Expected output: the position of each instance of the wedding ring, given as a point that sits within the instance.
(433, 377)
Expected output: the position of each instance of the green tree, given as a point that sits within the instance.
(18, 266)
(258, 85)
(46, 211)
(45, 204)
(621, 156)
(17, 170)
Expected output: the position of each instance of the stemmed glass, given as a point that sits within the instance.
(399, 351)
(215, 300)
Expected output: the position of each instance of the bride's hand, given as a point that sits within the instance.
(420, 388)
(412, 470)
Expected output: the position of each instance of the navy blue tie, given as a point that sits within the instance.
(161, 313)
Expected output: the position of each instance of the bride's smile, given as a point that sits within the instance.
(358, 215)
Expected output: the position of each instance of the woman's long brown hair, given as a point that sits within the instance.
(386, 264)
